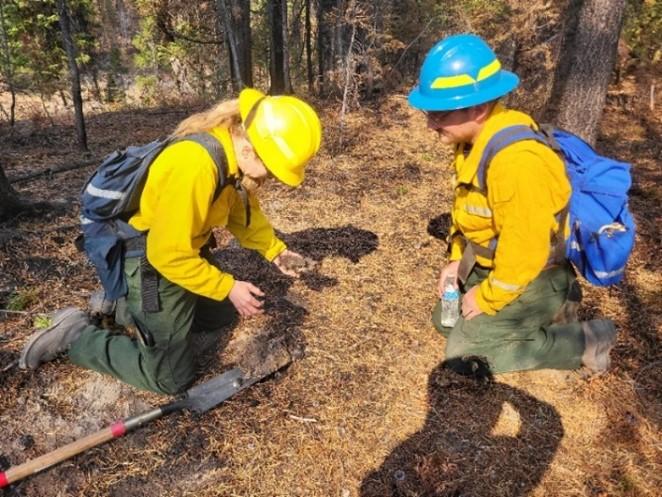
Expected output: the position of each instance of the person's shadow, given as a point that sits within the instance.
(480, 439)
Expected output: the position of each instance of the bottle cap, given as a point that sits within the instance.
(451, 292)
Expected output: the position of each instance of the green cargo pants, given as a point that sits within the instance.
(520, 336)
(164, 362)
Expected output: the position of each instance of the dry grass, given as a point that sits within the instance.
(368, 411)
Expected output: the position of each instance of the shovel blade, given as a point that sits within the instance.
(204, 396)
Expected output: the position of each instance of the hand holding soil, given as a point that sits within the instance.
(293, 264)
(243, 297)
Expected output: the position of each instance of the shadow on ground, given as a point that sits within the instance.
(440, 226)
(480, 439)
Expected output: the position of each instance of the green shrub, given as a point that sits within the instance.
(21, 299)
(643, 30)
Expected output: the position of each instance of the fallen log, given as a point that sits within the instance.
(52, 170)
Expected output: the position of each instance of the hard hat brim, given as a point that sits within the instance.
(426, 101)
(287, 178)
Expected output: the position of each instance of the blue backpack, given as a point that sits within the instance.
(601, 227)
(112, 195)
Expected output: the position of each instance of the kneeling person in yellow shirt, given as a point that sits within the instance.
(506, 230)
(179, 206)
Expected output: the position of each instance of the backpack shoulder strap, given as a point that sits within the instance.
(501, 140)
(216, 152)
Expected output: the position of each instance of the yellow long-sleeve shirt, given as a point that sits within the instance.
(526, 187)
(178, 212)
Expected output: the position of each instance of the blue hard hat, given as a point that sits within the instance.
(460, 71)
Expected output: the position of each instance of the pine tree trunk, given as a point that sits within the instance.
(309, 50)
(235, 70)
(277, 66)
(324, 43)
(349, 71)
(241, 20)
(586, 63)
(70, 49)
(287, 83)
(12, 107)
(9, 201)
(7, 65)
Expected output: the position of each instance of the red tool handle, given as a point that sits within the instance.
(47, 460)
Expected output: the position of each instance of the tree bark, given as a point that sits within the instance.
(349, 71)
(237, 26)
(241, 20)
(9, 200)
(286, 47)
(325, 42)
(309, 50)
(70, 49)
(7, 65)
(297, 42)
(587, 60)
(235, 68)
(279, 83)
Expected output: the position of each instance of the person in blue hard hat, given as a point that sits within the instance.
(507, 224)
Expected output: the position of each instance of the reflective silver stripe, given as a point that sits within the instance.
(98, 192)
(575, 246)
(611, 228)
(478, 210)
(85, 220)
(505, 286)
(610, 274)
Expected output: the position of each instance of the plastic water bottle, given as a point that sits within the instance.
(450, 303)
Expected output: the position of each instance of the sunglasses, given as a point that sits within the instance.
(438, 115)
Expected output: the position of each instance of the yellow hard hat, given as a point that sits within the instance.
(285, 132)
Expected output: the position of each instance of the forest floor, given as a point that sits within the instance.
(368, 411)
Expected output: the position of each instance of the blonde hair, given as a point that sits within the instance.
(224, 115)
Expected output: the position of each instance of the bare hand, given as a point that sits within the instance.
(470, 307)
(449, 270)
(292, 264)
(243, 298)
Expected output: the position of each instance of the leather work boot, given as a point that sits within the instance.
(66, 326)
(600, 335)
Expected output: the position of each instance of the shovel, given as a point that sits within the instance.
(198, 399)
